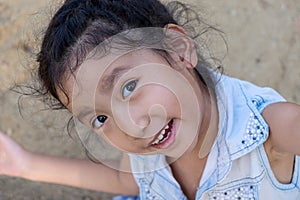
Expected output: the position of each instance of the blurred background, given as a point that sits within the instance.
(263, 39)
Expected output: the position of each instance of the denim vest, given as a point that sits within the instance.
(237, 166)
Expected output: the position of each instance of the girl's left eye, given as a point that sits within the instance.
(99, 121)
(128, 88)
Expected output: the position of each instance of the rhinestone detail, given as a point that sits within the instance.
(254, 131)
(246, 192)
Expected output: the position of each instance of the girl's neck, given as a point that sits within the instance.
(208, 132)
(208, 126)
(188, 169)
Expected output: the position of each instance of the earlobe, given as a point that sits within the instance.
(182, 44)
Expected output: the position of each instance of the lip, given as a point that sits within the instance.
(171, 138)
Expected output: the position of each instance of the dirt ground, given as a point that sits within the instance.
(263, 38)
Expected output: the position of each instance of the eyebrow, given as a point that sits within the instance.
(110, 79)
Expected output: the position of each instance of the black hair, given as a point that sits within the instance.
(79, 26)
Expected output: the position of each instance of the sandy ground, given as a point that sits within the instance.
(263, 38)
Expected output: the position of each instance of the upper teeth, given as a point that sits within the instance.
(161, 135)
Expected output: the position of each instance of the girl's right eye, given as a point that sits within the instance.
(128, 88)
(99, 121)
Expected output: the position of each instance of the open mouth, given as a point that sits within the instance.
(162, 139)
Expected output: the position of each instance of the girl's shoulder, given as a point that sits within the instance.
(284, 123)
(282, 145)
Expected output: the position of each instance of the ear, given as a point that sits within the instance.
(182, 45)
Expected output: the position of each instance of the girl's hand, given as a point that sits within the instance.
(13, 157)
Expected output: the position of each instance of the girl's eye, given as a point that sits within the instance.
(99, 121)
(128, 88)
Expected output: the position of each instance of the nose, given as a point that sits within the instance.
(140, 118)
(139, 121)
(142, 121)
(150, 119)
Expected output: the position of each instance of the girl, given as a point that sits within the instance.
(129, 71)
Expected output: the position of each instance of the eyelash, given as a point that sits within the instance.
(131, 84)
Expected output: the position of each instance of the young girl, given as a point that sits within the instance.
(130, 72)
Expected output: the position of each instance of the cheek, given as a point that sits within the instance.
(156, 95)
(111, 132)
(115, 138)
(118, 139)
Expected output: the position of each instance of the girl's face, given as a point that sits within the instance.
(138, 102)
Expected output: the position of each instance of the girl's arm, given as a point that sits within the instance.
(284, 139)
(284, 123)
(15, 161)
